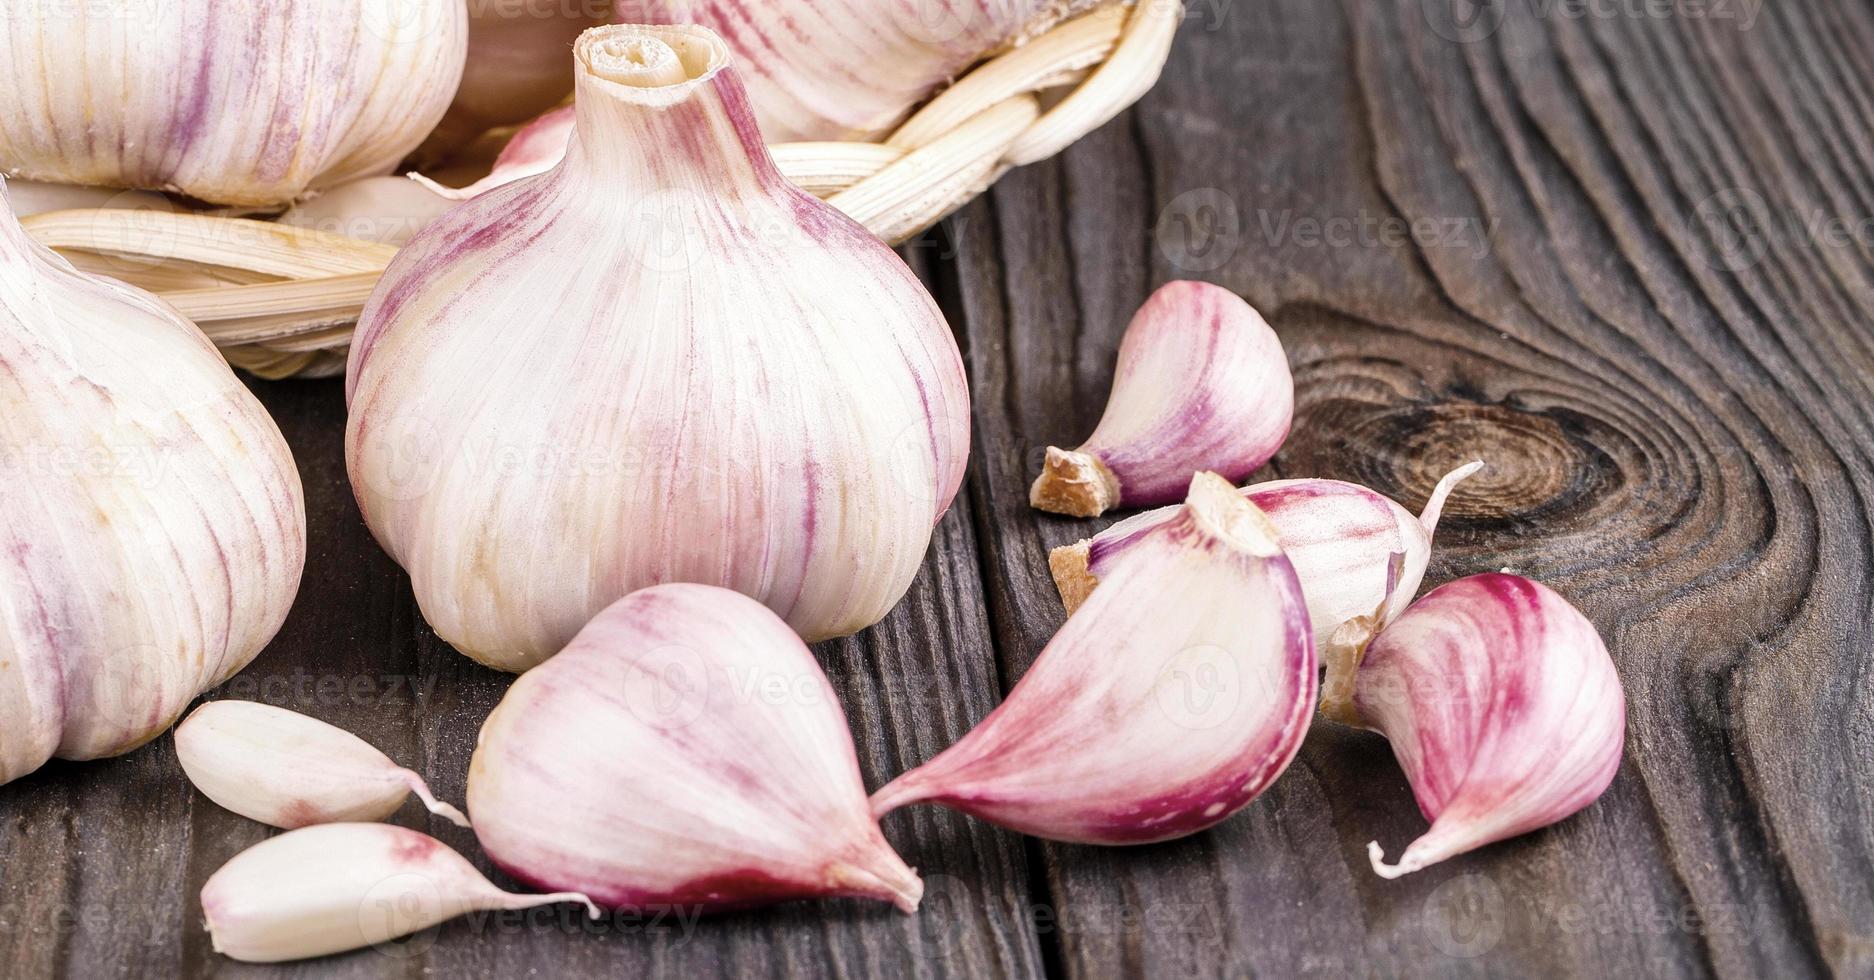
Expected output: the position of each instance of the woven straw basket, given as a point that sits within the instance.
(284, 300)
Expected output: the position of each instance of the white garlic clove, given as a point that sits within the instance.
(1339, 536)
(708, 376)
(1176, 694)
(685, 749)
(152, 523)
(343, 886)
(287, 770)
(1202, 384)
(387, 210)
(1501, 704)
(338, 89)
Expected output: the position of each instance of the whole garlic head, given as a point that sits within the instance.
(230, 101)
(152, 525)
(657, 362)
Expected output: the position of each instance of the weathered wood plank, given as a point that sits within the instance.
(1506, 241)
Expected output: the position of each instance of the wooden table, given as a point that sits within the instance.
(1624, 251)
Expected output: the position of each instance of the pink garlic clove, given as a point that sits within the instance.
(1175, 695)
(684, 749)
(1501, 704)
(1202, 384)
(1339, 536)
(340, 886)
(537, 148)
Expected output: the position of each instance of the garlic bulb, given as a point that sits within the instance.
(517, 64)
(1500, 702)
(851, 69)
(1176, 694)
(1202, 384)
(704, 375)
(229, 101)
(1341, 538)
(339, 886)
(287, 770)
(686, 750)
(152, 526)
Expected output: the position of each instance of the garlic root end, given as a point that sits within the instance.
(1074, 483)
(1068, 565)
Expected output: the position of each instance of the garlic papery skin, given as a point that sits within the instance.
(851, 69)
(386, 210)
(152, 523)
(685, 749)
(1173, 697)
(1202, 384)
(289, 771)
(1501, 704)
(341, 886)
(1341, 538)
(705, 375)
(517, 64)
(537, 148)
(230, 101)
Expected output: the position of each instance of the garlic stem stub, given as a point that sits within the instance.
(1340, 537)
(657, 362)
(229, 101)
(685, 749)
(152, 522)
(1202, 384)
(287, 770)
(1501, 704)
(342, 886)
(1178, 692)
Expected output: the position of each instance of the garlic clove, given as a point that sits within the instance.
(1501, 704)
(712, 377)
(229, 102)
(1339, 536)
(287, 770)
(343, 886)
(152, 521)
(1202, 384)
(537, 148)
(1176, 694)
(684, 749)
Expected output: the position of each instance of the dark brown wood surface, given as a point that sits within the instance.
(1623, 250)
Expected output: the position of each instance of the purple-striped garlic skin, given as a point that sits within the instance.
(852, 69)
(1341, 538)
(342, 886)
(1202, 384)
(657, 362)
(152, 523)
(685, 749)
(1176, 694)
(242, 102)
(1501, 704)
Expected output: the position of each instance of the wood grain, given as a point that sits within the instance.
(1623, 251)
